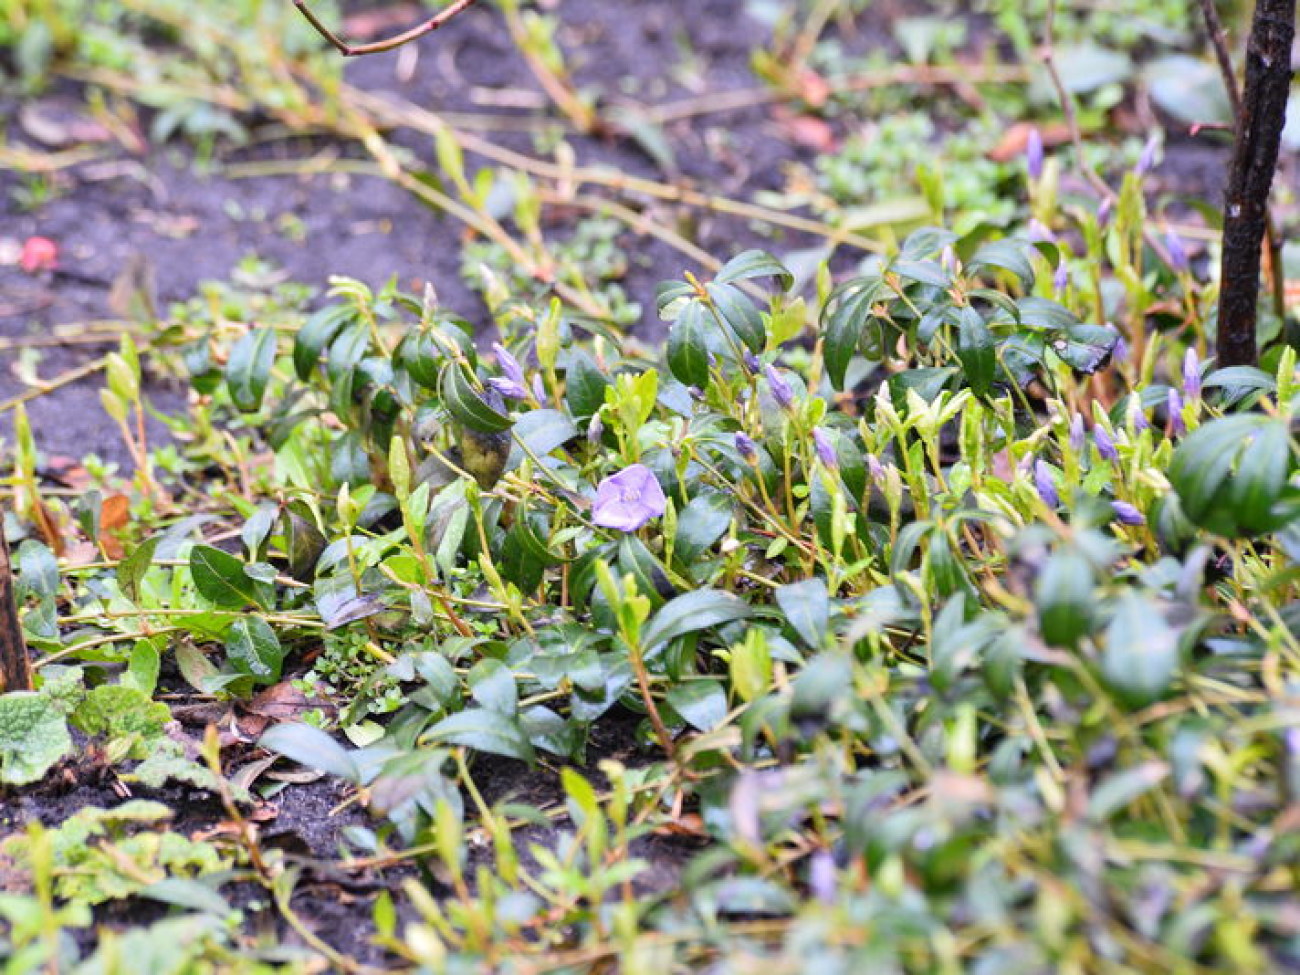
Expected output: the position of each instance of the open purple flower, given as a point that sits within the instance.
(627, 500)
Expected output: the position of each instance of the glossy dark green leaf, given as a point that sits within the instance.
(1004, 255)
(466, 405)
(492, 685)
(249, 368)
(317, 333)
(1141, 656)
(700, 610)
(807, 608)
(1066, 599)
(131, 570)
(585, 385)
(738, 311)
(253, 648)
(688, 347)
(484, 730)
(220, 578)
(843, 327)
(755, 264)
(702, 703)
(701, 523)
(976, 350)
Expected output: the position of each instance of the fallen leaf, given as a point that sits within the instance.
(39, 254)
(114, 513)
(1015, 139)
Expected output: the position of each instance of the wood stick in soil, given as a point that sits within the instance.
(15, 668)
(1245, 211)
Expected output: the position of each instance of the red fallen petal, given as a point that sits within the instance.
(39, 254)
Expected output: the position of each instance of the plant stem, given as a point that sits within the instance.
(15, 668)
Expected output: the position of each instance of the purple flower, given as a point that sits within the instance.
(595, 429)
(1045, 486)
(825, 448)
(782, 392)
(1034, 154)
(1076, 433)
(751, 361)
(1192, 374)
(627, 500)
(513, 385)
(1105, 445)
(948, 260)
(1040, 233)
(821, 876)
(1104, 212)
(1140, 421)
(1178, 259)
(745, 447)
(539, 388)
(1147, 161)
(1127, 514)
(1061, 279)
(875, 468)
(1174, 404)
(1119, 351)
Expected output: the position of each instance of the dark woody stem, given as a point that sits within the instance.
(396, 41)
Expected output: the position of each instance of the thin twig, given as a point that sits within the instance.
(388, 44)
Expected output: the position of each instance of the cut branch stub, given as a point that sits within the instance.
(15, 669)
(1245, 211)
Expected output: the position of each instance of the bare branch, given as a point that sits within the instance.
(388, 44)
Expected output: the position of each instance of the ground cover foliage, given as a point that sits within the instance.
(942, 599)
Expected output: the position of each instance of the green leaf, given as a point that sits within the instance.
(701, 523)
(755, 264)
(249, 369)
(584, 385)
(193, 895)
(254, 649)
(702, 703)
(1065, 597)
(33, 736)
(131, 570)
(119, 711)
(541, 431)
(736, 309)
(484, 730)
(220, 578)
(465, 404)
(807, 608)
(688, 347)
(493, 685)
(843, 328)
(314, 336)
(311, 747)
(975, 349)
(700, 610)
(1141, 656)
(1005, 255)
(1122, 789)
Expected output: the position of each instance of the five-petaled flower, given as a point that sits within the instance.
(627, 500)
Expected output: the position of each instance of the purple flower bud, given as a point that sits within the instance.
(1147, 161)
(1034, 154)
(948, 260)
(509, 365)
(1140, 421)
(539, 388)
(1119, 351)
(1045, 486)
(782, 392)
(1104, 212)
(1192, 374)
(751, 361)
(1177, 252)
(825, 448)
(1061, 279)
(627, 500)
(746, 447)
(1127, 514)
(1105, 445)
(875, 468)
(508, 388)
(1076, 433)
(595, 430)
(1174, 404)
(821, 876)
(1039, 232)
